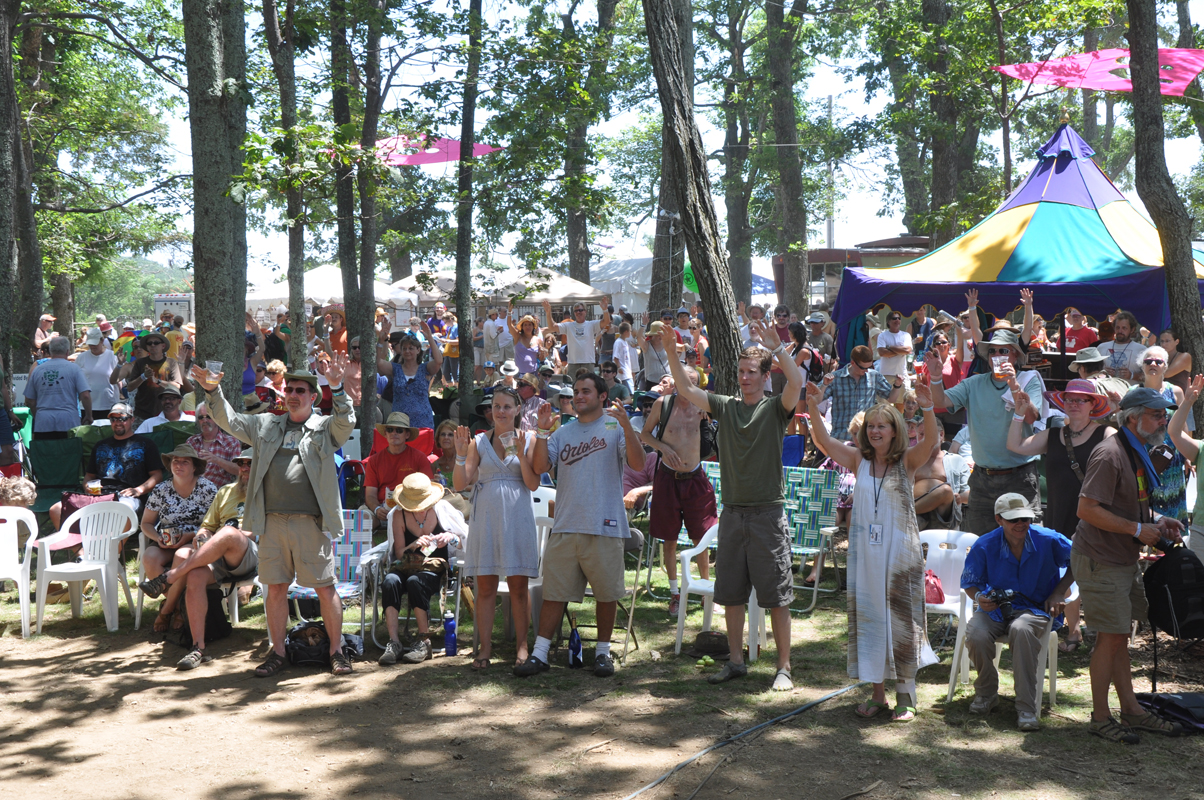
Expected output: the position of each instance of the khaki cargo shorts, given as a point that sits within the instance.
(1112, 596)
(573, 559)
(293, 546)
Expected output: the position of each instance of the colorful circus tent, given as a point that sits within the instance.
(1066, 232)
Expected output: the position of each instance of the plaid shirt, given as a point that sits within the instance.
(850, 395)
(224, 446)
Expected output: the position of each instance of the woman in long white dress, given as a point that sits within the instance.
(501, 531)
(888, 637)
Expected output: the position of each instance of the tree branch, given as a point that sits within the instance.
(28, 20)
(62, 209)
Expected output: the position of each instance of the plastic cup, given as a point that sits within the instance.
(997, 363)
(214, 369)
(93, 487)
(508, 443)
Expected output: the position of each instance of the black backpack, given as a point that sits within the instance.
(217, 624)
(1174, 588)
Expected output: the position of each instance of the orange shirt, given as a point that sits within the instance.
(385, 470)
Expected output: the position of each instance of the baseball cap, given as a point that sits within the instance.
(1013, 506)
(94, 336)
(667, 313)
(48, 317)
(816, 317)
(1145, 398)
(169, 391)
(490, 365)
(121, 410)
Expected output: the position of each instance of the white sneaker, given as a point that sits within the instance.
(982, 705)
(1028, 722)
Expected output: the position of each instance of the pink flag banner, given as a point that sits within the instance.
(399, 150)
(1108, 70)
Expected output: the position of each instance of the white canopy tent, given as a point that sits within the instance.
(323, 286)
(629, 281)
(538, 285)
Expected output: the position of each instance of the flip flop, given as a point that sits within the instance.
(872, 709)
(1070, 645)
(903, 714)
(479, 664)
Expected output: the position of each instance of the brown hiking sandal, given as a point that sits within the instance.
(1113, 731)
(1151, 722)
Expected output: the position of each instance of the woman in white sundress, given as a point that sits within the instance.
(888, 637)
(501, 531)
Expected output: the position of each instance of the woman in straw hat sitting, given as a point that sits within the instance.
(424, 525)
(172, 516)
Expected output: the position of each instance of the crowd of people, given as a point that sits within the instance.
(936, 422)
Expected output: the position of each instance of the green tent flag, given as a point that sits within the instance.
(687, 279)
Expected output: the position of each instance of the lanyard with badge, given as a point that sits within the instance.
(876, 527)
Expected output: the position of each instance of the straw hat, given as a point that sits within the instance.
(1081, 386)
(397, 420)
(185, 451)
(417, 493)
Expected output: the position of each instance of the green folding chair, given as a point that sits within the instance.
(57, 467)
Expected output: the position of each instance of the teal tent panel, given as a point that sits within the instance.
(1066, 244)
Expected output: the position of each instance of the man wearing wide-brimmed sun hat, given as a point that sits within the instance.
(390, 466)
(293, 497)
(997, 470)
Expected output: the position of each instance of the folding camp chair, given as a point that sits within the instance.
(57, 467)
(348, 577)
(811, 498)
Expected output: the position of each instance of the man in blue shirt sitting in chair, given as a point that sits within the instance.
(1026, 560)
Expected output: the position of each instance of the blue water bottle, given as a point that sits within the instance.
(575, 661)
(449, 634)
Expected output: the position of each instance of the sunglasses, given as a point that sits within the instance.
(200, 418)
(355, 347)
(863, 366)
(295, 390)
(999, 351)
(259, 369)
(120, 418)
(1157, 362)
(395, 429)
(608, 372)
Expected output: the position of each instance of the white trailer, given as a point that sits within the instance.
(179, 304)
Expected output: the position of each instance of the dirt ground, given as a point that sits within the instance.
(109, 716)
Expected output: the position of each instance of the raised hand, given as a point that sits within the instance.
(740, 308)
(933, 361)
(769, 335)
(251, 324)
(463, 439)
(201, 376)
(1023, 402)
(1193, 390)
(923, 390)
(619, 413)
(972, 298)
(669, 339)
(814, 394)
(336, 368)
(543, 418)
(385, 325)
(1026, 297)
(426, 329)
(644, 318)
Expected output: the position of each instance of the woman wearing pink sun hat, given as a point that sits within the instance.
(1066, 451)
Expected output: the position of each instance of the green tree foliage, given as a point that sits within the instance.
(125, 288)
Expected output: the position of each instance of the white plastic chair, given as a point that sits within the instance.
(691, 585)
(543, 530)
(946, 557)
(10, 567)
(102, 527)
(541, 500)
(1048, 654)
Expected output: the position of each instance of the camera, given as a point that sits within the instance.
(1003, 599)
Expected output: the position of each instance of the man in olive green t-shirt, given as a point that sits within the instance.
(754, 543)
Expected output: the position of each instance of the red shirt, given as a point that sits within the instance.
(385, 470)
(1077, 340)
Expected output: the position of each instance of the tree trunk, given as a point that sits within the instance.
(737, 190)
(576, 145)
(464, 202)
(14, 339)
(401, 264)
(1154, 184)
(1090, 127)
(792, 235)
(215, 54)
(908, 151)
(279, 34)
(1187, 41)
(944, 136)
(62, 300)
(29, 251)
(699, 226)
(668, 254)
(344, 186)
(361, 314)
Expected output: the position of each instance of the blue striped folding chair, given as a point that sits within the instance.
(348, 578)
(811, 498)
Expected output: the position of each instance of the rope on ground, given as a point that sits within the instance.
(741, 735)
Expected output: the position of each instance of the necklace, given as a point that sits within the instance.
(426, 515)
(1075, 434)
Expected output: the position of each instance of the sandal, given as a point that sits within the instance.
(479, 664)
(1069, 646)
(162, 622)
(1150, 722)
(154, 587)
(339, 663)
(196, 656)
(273, 665)
(903, 714)
(870, 709)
